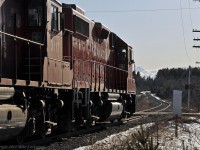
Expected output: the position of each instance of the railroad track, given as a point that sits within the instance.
(135, 119)
(60, 137)
(161, 106)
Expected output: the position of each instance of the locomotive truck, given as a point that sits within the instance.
(60, 70)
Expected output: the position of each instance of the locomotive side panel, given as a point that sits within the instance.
(118, 59)
(99, 48)
(94, 58)
(131, 80)
(111, 69)
(53, 69)
(80, 48)
(54, 33)
(56, 70)
(121, 51)
(67, 74)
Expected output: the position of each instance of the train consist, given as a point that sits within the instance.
(59, 70)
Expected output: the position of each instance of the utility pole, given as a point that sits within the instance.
(197, 62)
(189, 82)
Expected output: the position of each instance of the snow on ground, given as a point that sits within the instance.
(115, 140)
(188, 137)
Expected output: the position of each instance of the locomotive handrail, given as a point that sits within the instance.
(89, 60)
(23, 39)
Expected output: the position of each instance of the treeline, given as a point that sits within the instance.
(168, 80)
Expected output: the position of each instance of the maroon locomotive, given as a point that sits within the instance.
(59, 70)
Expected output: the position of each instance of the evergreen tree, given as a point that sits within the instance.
(168, 80)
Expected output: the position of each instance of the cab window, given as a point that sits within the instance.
(54, 18)
(35, 13)
(122, 54)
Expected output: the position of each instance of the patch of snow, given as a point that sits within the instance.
(115, 139)
(188, 137)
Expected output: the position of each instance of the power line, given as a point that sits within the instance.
(191, 23)
(141, 10)
(183, 30)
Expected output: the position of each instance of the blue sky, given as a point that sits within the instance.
(159, 31)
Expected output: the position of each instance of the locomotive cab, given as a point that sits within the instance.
(26, 21)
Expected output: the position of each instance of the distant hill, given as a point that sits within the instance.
(146, 73)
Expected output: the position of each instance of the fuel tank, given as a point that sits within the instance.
(111, 111)
(6, 93)
(12, 121)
